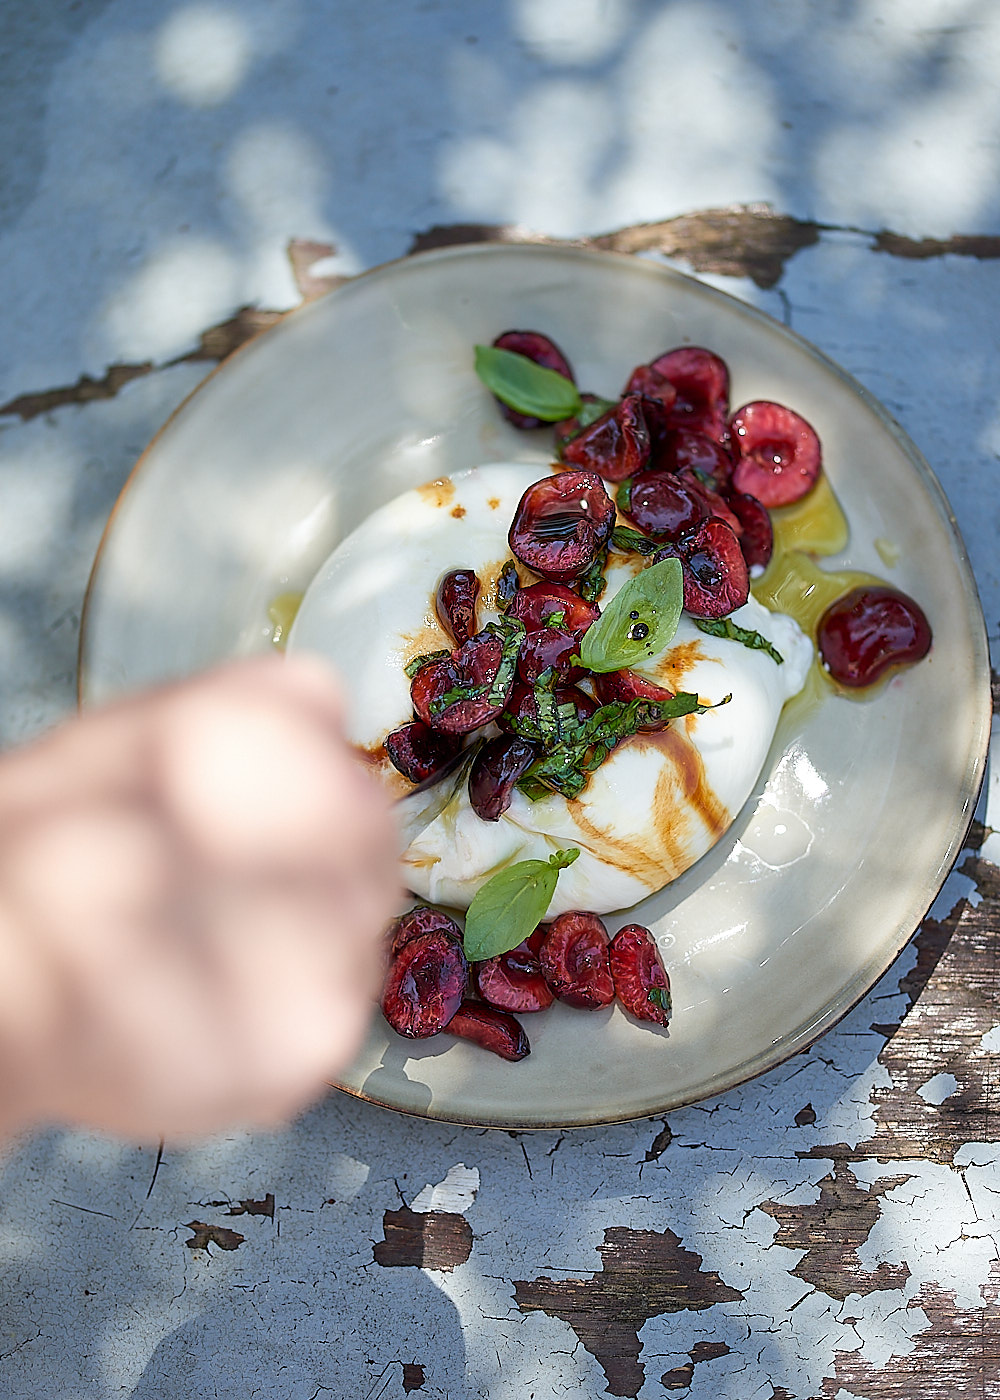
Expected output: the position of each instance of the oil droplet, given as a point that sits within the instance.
(281, 614)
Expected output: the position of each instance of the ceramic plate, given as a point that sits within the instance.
(862, 806)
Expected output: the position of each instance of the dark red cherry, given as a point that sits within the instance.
(418, 751)
(641, 982)
(574, 960)
(425, 984)
(715, 504)
(778, 457)
(421, 919)
(455, 604)
(544, 352)
(624, 686)
(561, 524)
(664, 506)
(658, 398)
(513, 981)
(473, 667)
(701, 379)
(495, 770)
(685, 450)
(522, 706)
(869, 631)
(616, 445)
(491, 1029)
(549, 648)
(716, 578)
(757, 539)
(538, 602)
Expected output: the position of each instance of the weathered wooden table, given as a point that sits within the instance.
(173, 177)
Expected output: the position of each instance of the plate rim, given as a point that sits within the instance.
(972, 776)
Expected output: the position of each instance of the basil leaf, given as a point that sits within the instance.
(640, 620)
(627, 541)
(581, 748)
(623, 496)
(412, 667)
(591, 583)
(526, 387)
(590, 410)
(660, 996)
(512, 904)
(726, 627)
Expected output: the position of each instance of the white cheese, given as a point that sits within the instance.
(659, 802)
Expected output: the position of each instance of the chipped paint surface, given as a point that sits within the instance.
(181, 174)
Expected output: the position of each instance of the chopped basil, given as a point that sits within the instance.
(659, 996)
(510, 630)
(556, 619)
(627, 541)
(592, 583)
(623, 496)
(526, 387)
(414, 666)
(640, 620)
(581, 746)
(726, 627)
(511, 905)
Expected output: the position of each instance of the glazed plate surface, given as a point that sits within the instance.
(862, 806)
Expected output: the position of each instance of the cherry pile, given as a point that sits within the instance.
(694, 481)
(431, 987)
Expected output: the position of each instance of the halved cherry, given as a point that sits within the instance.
(538, 602)
(701, 379)
(616, 445)
(659, 397)
(561, 524)
(418, 751)
(715, 504)
(421, 919)
(664, 506)
(495, 770)
(625, 686)
(513, 981)
(641, 982)
(549, 648)
(778, 455)
(425, 984)
(686, 450)
(716, 578)
(472, 667)
(757, 539)
(455, 604)
(869, 631)
(491, 1029)
(574, 960)
(521, 704)
(544, 352)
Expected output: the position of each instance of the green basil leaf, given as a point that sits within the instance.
(512, 904)
(412, 667)
(526, 387)
(591, 583)
(726, 627)
(590, 411)
(627, 541)
(660, 996)
(640, 620)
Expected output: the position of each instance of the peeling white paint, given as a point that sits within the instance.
(455, 1193)
(938, 1088)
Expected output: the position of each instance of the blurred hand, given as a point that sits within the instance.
(193, 884)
